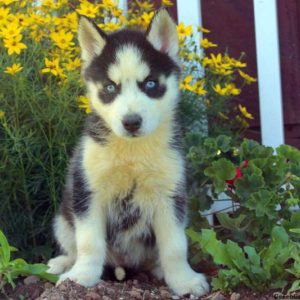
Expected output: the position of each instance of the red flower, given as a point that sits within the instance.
(238, 174)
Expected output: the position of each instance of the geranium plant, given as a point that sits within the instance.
(257, 244)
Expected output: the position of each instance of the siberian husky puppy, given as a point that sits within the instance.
(124, 203)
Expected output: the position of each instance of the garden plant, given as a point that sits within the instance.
(42, 107)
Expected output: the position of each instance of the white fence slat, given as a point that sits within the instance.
(269, 79)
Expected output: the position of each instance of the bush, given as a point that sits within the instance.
(257, 244)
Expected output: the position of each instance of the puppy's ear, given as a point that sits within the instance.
(162, 33)
(91, 39)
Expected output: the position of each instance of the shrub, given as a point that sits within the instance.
(257, 244)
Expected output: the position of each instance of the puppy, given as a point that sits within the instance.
(124, 203)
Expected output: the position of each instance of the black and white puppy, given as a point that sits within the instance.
(124, 202)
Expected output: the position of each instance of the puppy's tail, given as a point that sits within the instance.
(114, 273)
(120, 273)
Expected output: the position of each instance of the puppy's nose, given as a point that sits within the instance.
(132, 122)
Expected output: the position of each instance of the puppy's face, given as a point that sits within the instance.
(132, 77)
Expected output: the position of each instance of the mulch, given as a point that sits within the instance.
(141, 287)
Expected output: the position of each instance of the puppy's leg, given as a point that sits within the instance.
(64, 234)
(90, 245)
(172, 245)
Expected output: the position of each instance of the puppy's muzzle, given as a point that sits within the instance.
(132, 122)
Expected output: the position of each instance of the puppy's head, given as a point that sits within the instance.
(131, 76)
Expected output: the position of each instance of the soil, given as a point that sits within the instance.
(141, 287)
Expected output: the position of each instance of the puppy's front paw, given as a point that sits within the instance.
(60, 264)
(84, 276)
(188, 282)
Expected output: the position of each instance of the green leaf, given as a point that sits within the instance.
(193, 235)
(252, 256)
(237, 255)
(220, 171)
(289, 153)
(36, 269)
(230, 223)
(215, 248)
(4, 250)
(247, 185)
(223, 143)
(295, 230)
(251, 149)
(295, 286)
(261, 202)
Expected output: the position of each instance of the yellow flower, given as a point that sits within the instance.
(146, 18)
(185, 83)
(248, 78)
(4, 14)
(8, 2)
(10, 30)
(198, 88)
(183, 30)
(166, 3)
(72, 65)
(238, 64)
(88, 9)
(202, 29)
(227, 90)
(14, 69)
(232, 89)
(108, 4)
(110, 26)
(52, 66)
(144, 5)
(205, 43)
(245, 113)
(2, 114)
(219, 90)
(62, 39)
(21, 20)
(83, 102)
(14, 45)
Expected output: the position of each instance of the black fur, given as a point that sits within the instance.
(76, 194)
(81, 193)
(96, 128)
(128, 216)
(153, 93)
(180, 205)
(148, 238)
(109, 97)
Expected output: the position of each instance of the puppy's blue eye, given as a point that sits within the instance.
(110, 88)
(151, 84)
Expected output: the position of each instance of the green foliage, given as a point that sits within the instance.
(259, 242)
(11, 269)
(37, 133)
(244, 265)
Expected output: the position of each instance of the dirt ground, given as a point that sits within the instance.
(141, 287)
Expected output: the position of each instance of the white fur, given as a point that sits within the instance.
(91, 247)
(163, 34)
(90, 40)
